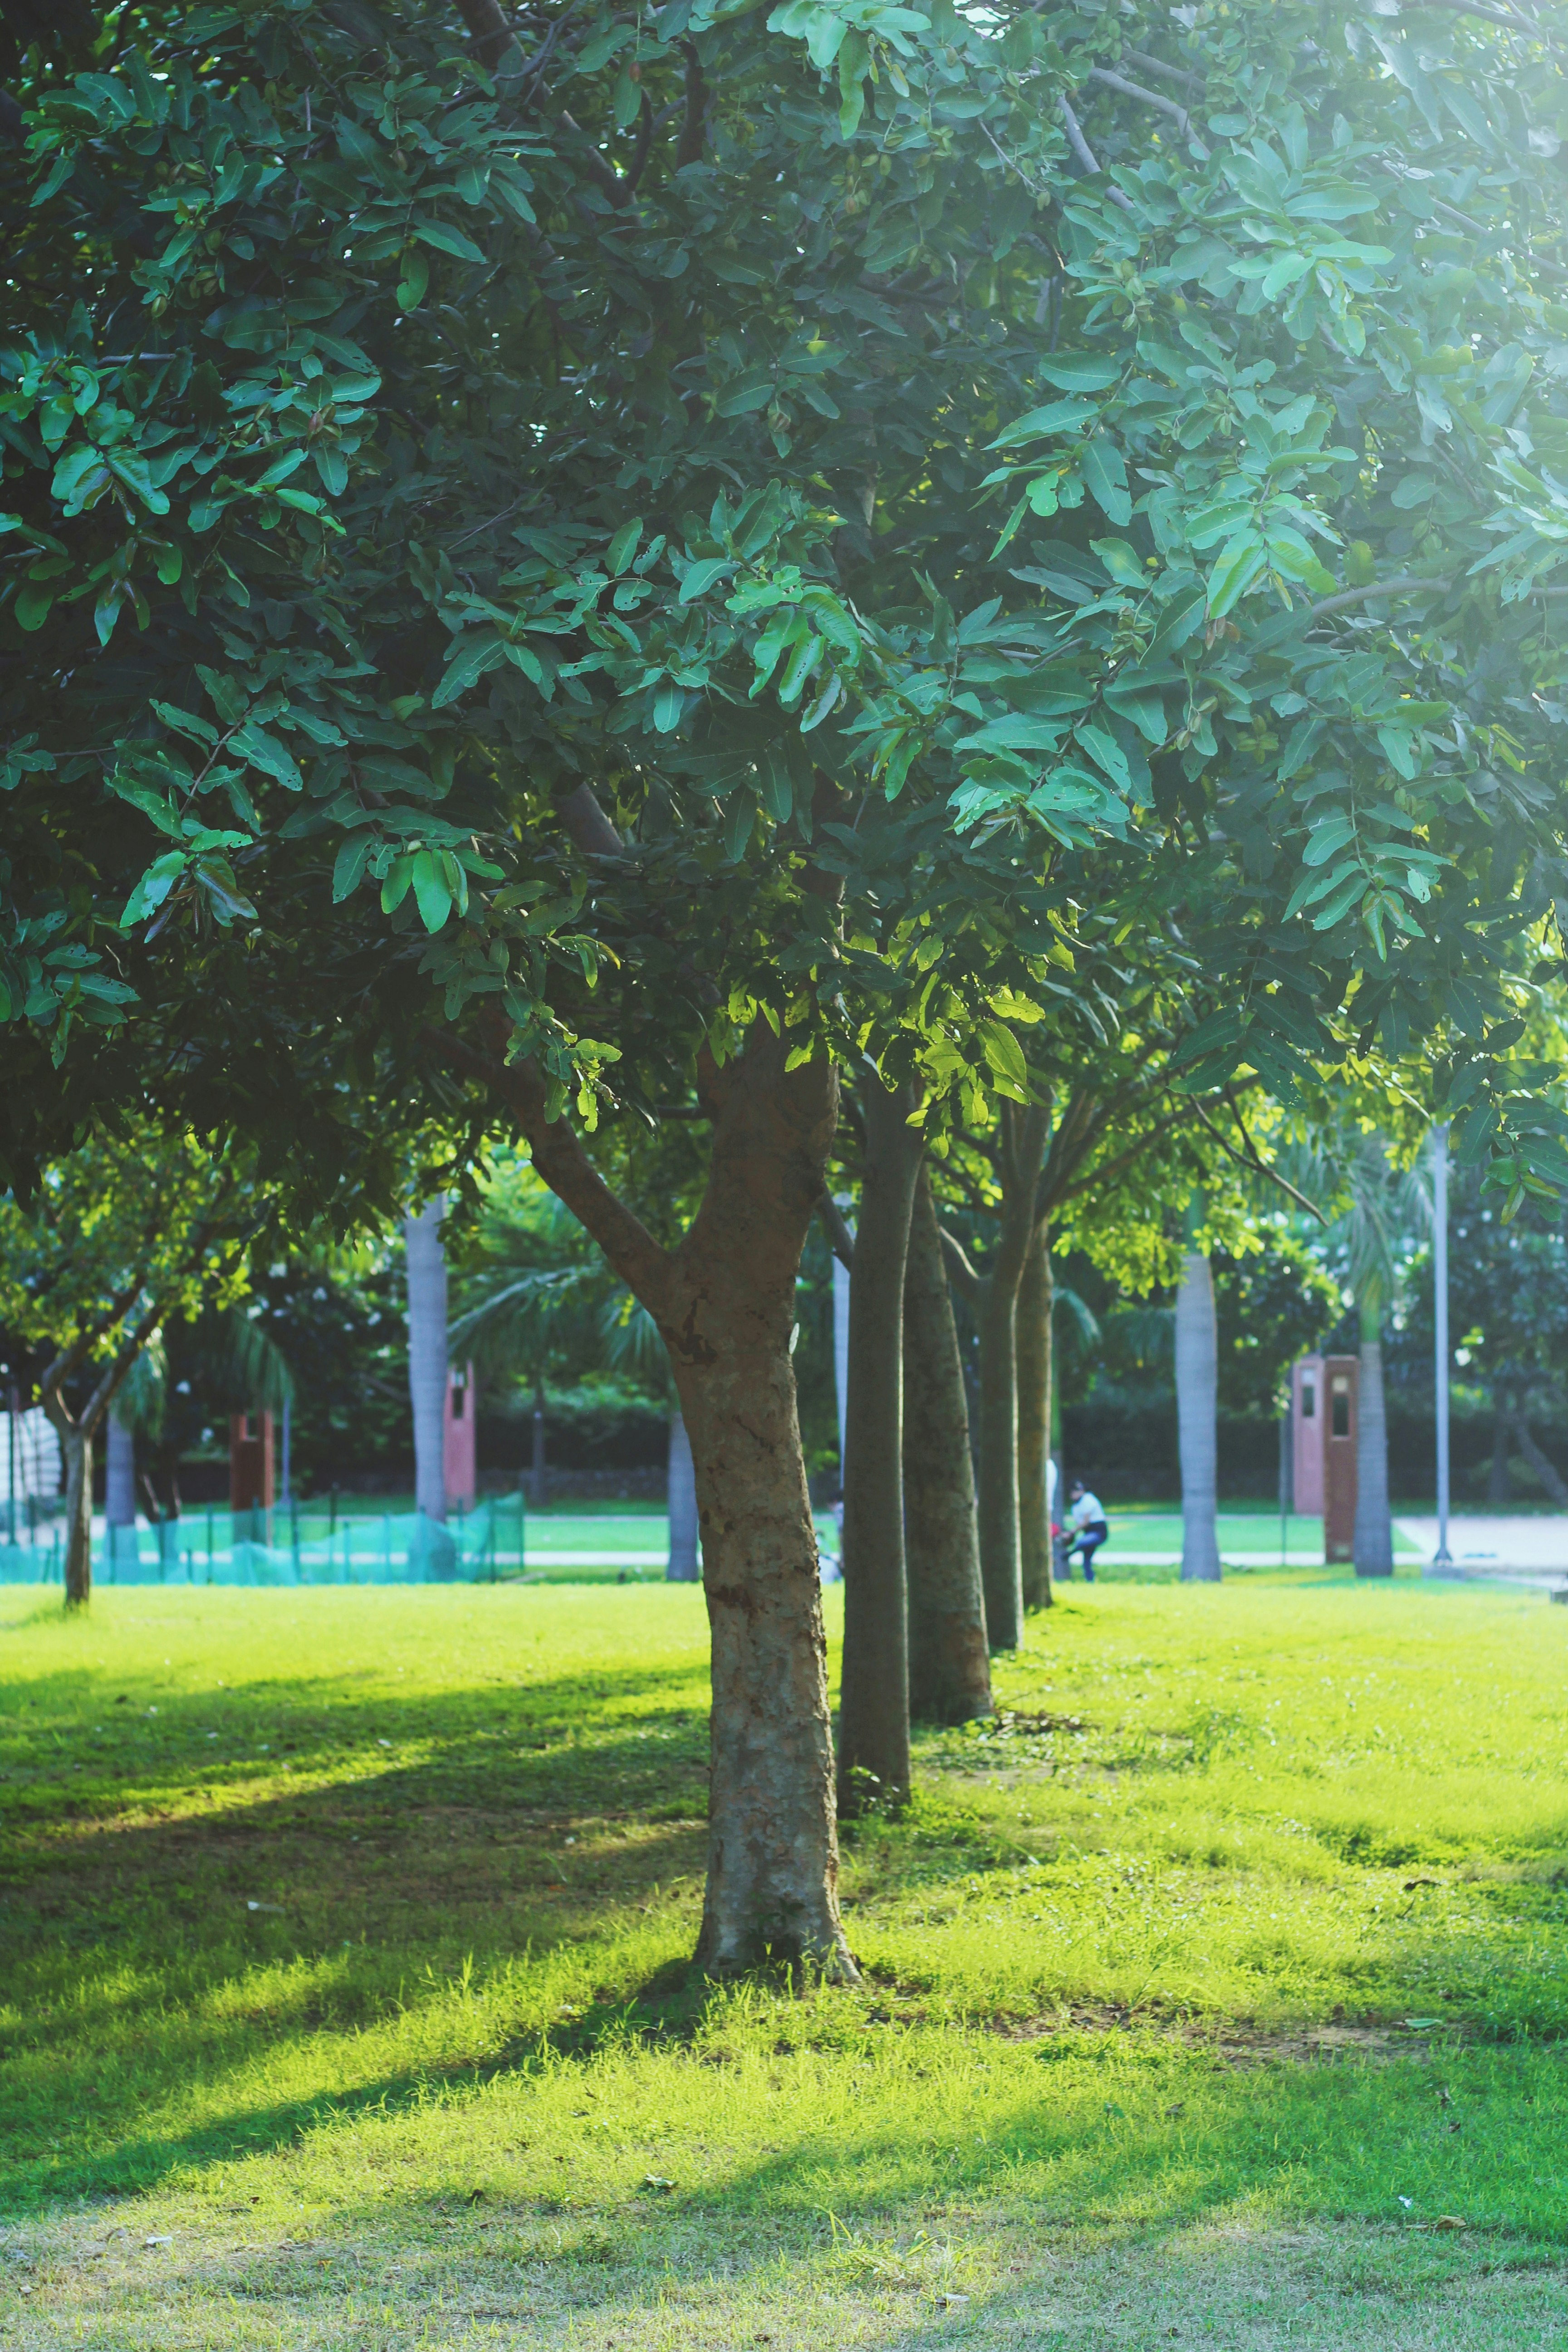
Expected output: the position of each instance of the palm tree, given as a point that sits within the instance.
(1197, 1407)
(1379, 1209)
(428, 1358)
(539, 1294)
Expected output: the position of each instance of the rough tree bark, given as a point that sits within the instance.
(1197, 1383)
(1036, 1291)
(949, 1664)
(723, 1301)
(1372, 1545)
(874, 1695)
(682, 1498)
(994, 1297)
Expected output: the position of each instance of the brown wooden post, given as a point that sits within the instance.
(251, 1484)
(1338, 1419)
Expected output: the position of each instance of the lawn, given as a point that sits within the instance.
(1216, 1992)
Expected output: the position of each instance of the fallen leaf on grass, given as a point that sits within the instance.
(276, 1908)
(656, 2182)
(1451, 2221)
(158, 2242)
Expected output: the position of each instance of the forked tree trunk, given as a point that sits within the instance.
(724, 1304)
(683, 1501)
(874, 1695)
(1023, 1150)
(950, 1664)
(1197, 1399)
(1036, 1292)
(1372, 1545)
(427, 1354)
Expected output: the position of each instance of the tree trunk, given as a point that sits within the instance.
(1036, 1291)
(1372, 1546)
(427, 1354)
(119, 1475)
(77, 1448)
(1537, 1460)
(1499, 1486)
(1023, 1150)
(682, 1498)
(873, 1694)
(949, 1667)
(1197, 1384)
(724, 1305)
(538, 1474)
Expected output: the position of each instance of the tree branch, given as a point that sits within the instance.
(642, 1264)
(1085, 153)
(694, 130)
(1135, 89)
(1154, 65)
(1252, 1159)
(841, 1241)
(587, 824)
(1348, 596)
(961, 1271)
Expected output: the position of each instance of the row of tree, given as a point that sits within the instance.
(618, 573)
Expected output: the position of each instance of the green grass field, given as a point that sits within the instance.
(1216, 1992)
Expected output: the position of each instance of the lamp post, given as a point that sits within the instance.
(1443, 1558)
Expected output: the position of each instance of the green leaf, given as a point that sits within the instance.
(472, 655)
(1105, 477)
(624, 546)
(1243, 561)
(447, 239)
(1003, 1052)
(349, 866)
(415, 279)
(702, 575)
(431, 893)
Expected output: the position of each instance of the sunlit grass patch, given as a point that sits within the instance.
(358, 1921)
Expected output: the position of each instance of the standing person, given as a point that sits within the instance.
(1087, 1528)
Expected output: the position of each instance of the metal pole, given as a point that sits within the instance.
(1443, 1556)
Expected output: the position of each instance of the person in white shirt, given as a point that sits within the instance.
(1087, 1528)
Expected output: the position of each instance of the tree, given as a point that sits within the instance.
(1197, 1398)
(127, 1232)
(637, 671)
(1378, 1210)
(949, 1655)
(429, 1361)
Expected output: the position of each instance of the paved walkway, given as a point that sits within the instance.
(1486, 1546)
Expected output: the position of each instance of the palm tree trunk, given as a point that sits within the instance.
(950, 1664)
(1372, 1546)
(1197, 1391)
(1499, 1486)
(1544, 1470)
(427, 1355)
(682, 1568)
(874, 1690)
(119, 1475)
(1036, 1292)
(538, 1474)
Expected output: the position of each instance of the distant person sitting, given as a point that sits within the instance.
(1087, 1528)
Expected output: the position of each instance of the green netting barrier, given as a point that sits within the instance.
(237, 1548)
